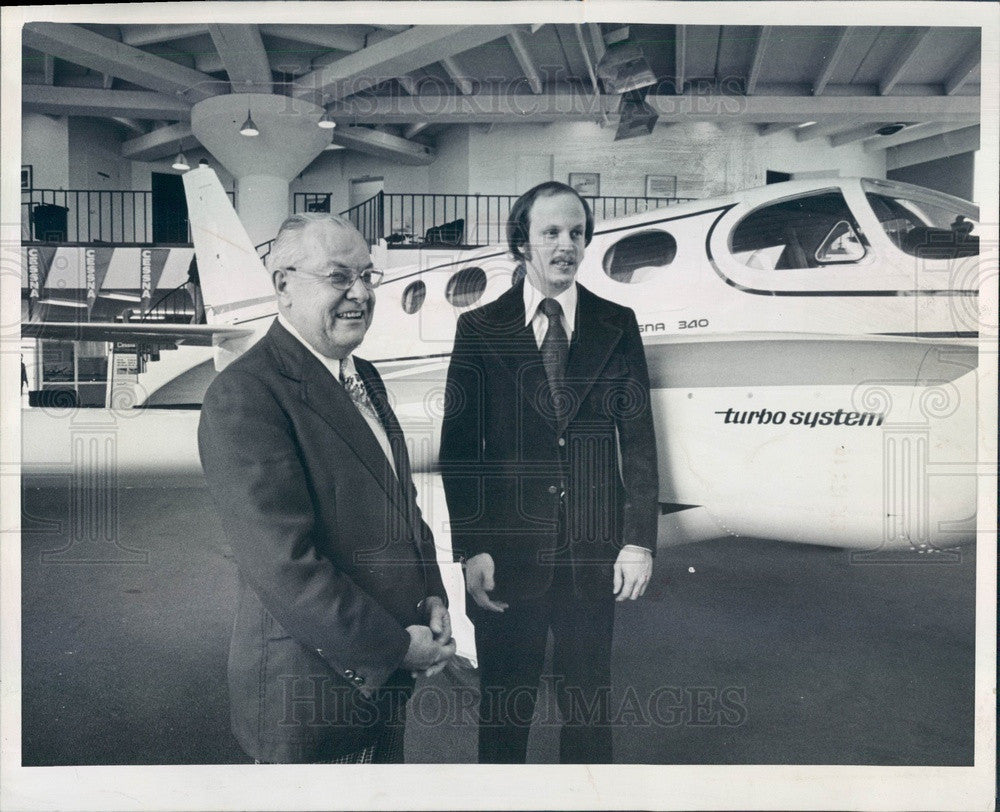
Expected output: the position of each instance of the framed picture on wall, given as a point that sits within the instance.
(27, 177)
(587, 184)
(661, 186)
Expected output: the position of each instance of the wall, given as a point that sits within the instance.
(451, 170)
(142, 171)
(952, 175)
(333, 170)
(782, 152)
(984, 179)
(45, 146)
(95, 155)
(706, 158)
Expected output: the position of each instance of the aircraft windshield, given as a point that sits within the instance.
(923, 223)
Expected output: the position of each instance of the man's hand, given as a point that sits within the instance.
(427, 655)
(632, 571)
(479, 581)
(438, 618)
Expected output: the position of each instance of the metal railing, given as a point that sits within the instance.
(405, 220)
(264, 249)
(175, 306)
(91, 216)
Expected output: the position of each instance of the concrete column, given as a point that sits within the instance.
(262, 204)
(263, 165)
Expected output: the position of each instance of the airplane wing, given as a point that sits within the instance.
(195, 334)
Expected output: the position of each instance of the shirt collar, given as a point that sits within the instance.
(567, 300)
(334, 365)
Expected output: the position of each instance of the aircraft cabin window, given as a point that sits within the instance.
(926, 228)
(466, 287)
(841, 245)
(413, 297)
(637, 257)
(805, 232)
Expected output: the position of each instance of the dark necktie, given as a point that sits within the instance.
(555, 348)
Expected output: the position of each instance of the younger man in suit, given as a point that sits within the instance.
(549, 463)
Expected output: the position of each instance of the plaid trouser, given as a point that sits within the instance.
(387, 748)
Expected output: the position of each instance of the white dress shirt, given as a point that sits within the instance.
(335, 365)
(538, 320)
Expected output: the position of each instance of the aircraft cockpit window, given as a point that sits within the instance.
(842, 244)
(413, 297)
(638, 257)
(466, 287)
(805, 232)
(927, 228)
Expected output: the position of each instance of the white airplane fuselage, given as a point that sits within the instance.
(832, 405)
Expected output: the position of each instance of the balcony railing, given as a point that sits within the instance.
(408, 220)
(113, 217)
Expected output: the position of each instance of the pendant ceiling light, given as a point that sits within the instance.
(326, 123)
(180, 163)
(249, 129)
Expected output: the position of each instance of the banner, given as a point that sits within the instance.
(151, 262)
(95, 264)
(38, 261)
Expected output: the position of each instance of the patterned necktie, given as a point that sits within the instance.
(555, 348)
(355, 388)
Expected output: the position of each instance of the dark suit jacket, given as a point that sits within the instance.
(509, 464)
(333, 555)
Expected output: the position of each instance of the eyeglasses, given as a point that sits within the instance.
(344, 280)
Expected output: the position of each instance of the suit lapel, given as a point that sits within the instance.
(327, 397)
(397, 442)
(380, 400)
(513, 341)
(592, 344)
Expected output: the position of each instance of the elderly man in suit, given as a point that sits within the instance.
(549, 464)
(340, 598)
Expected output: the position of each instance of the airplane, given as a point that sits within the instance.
(812, 348)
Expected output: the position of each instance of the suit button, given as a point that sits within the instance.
(553, 489)
(348, 673)
(358, 680)
(319, 651)
(562, 441)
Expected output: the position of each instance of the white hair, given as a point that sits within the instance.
(286, 251)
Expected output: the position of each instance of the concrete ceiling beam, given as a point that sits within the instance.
(964, 71)
(82, 47)
(160, 143)
(242, 52)
(757, 60)
(903, 61)
(67, 101)
(680, 57)
(407, 51)
(831, 60)
(325, 36)
(383, 145)
(915, 133)
(457, 75)
(139, 35)
(516, 42)
(484, 107)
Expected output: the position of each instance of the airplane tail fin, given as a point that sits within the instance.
(235, 286)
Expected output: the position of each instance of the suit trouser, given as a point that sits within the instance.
(511, 650)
